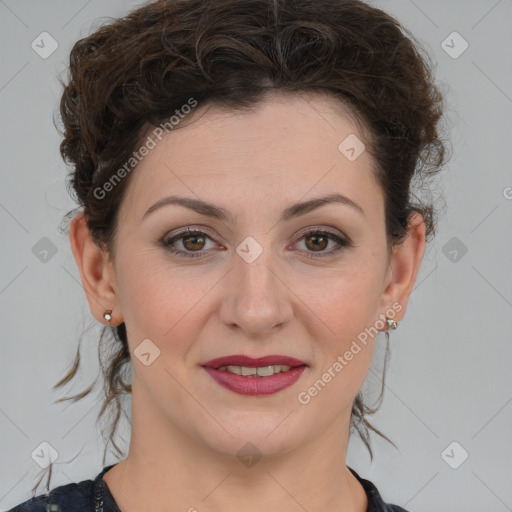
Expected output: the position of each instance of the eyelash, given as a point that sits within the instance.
(342, 243)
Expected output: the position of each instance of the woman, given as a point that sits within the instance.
(248, 228)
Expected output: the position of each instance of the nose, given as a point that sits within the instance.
(256, 299)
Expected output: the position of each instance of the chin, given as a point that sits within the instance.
(254, 433)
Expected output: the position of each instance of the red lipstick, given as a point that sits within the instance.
(253, 385)
(239, 360)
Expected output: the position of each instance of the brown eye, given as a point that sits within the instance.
(194, 242)
(316, 242)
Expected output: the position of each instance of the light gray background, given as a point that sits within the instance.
(449, 376)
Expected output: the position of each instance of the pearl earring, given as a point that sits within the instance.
(108, 315)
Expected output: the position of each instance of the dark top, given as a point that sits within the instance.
(94, 496)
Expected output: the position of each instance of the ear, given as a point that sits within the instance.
(405, 261)
(96, 271)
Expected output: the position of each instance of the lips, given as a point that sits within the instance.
(254, 383)
(239, 360)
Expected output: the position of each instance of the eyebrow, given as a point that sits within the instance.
(216, 212)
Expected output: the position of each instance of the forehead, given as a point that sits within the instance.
(285, 148)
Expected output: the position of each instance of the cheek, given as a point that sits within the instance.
(344, 310)
(345, 300)
(160, 300)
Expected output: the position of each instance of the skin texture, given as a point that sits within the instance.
(186, 429)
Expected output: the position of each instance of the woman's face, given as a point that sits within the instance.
(253, 283)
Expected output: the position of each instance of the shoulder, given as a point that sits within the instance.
(375, 501)
(73, 497)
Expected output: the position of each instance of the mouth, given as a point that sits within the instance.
(248, 376)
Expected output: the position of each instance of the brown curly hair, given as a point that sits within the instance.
(135, 71)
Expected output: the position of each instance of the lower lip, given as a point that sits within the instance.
(253, 386)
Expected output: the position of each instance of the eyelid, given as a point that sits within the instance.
(190, 229)
(322, 229)
(301, 233)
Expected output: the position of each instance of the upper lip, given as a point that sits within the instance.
(240, 360)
